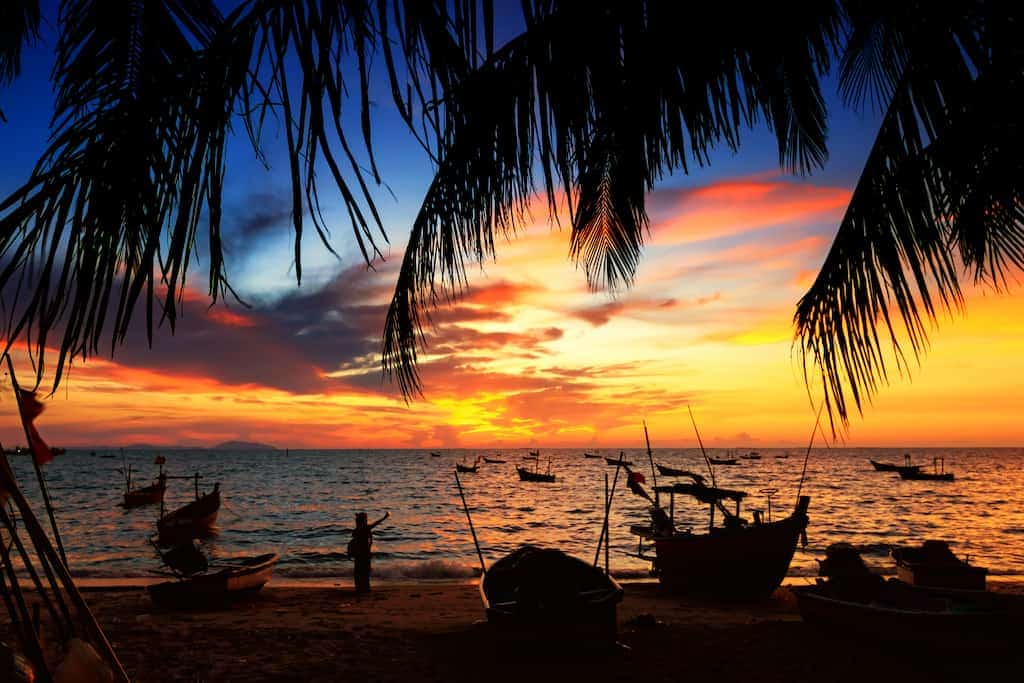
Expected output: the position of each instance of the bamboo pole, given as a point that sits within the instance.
(650, 456)
(20, 616)
(607, 509)
(35, 463)
(465, 506)
(707, 460)
(807, 455)
(606, 496)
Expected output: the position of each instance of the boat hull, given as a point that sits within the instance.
(917, 475)
(747, 563)
(147, 495)
(217, 588)
(890, 467)
(970, 624)
(580, 611)
(538, 477)
(195, 520)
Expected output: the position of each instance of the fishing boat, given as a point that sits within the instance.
(723, 461)
(592, 455)
(495, 461)
(525, 474)
(752, 455)
(534, 454)
(852, 601)
(666, 471)
(892, 467)
(144, 495)
(781, 456)
(194, 520)
(468, 469)
(939, 473)
(546, 596)
(435, 454)
(615, 461)
(740, 560)
(934, 565)
(205, 588)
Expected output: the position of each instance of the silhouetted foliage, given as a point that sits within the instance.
(589, 104)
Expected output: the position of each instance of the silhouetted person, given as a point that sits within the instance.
(359, 550)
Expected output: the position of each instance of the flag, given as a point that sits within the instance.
(31, 408)
(160, 460)
(637, 478)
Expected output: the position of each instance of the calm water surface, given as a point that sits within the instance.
(302, 505)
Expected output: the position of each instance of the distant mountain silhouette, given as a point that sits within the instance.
(243, 446)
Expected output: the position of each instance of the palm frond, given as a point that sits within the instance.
(944, 170)
(19, 25)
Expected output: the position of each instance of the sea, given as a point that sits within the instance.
(301, 504)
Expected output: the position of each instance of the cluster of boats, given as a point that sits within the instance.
(195, 583)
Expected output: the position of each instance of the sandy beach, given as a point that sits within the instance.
(433, 631)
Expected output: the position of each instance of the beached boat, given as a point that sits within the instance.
(723, 461)
(667, 471)
(243, 577)
(933, 565)
(737, 561)
(194, 520)
(548, 597)
(615, 461)
(939, 473)
(495, 461)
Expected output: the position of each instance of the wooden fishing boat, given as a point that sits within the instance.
(243, 577)
(592, 455)
(752, 455)
(540, 477)
(495, 461)
(146, 495)
(615, 461)
(938, 474)
(194, 520)
(467, 469)
(435, 454)
(666, 471)
(723, 461)
(892, 467)
(934, 565)
(548, 597)
(738, 561)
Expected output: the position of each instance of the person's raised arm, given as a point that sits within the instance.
(386, 515)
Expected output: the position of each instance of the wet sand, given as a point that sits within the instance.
(434, 632)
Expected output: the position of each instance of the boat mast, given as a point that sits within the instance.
(807, 455)
(465, 506)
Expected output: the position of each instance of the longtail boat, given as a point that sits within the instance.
(495, 461)
(933, 565)
(666, 471)
(144, 495)
(547, 596)
(615, 461)
(194, 520)
(738, 561)
(752, 455)
(892, 467)
(536, 475)
(197, 586)
(468, 469)
(723, 461)
(939, 473)
(591, 455)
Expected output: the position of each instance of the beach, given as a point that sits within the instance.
(433, 631)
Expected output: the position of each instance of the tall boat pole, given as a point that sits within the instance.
(465, 506)
(707, 461)
(35, 463)
(807, 455)
(608, 508)
(650, 456)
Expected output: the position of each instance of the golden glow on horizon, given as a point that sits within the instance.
(531, 358)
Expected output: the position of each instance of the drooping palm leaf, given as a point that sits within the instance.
(943, 172)
(19, 25)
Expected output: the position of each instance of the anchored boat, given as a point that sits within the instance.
(194, 520)
(939, 473)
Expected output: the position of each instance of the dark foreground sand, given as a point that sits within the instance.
(433, 632)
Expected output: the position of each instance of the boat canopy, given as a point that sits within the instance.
(705, 494)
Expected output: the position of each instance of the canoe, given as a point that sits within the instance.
(666, 471)
(900, 615)
(548, 597)
(615, 461)
(147, 495)
(245, 577)
(527, 475)
(194, 520)
(934, 565)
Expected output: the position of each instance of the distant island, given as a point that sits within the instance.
(243, 446)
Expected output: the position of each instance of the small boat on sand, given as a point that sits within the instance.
(939, 473)
(204, 588)
(667, 471)
(615, 461)
(546, 596)
(194, 520)
(934, 565)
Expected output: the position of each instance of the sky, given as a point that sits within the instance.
(529, 356)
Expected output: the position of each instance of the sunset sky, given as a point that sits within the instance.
(529, 357)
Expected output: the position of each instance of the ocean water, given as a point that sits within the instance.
(302, 504)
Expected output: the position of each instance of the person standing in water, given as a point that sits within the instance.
(359, 550)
